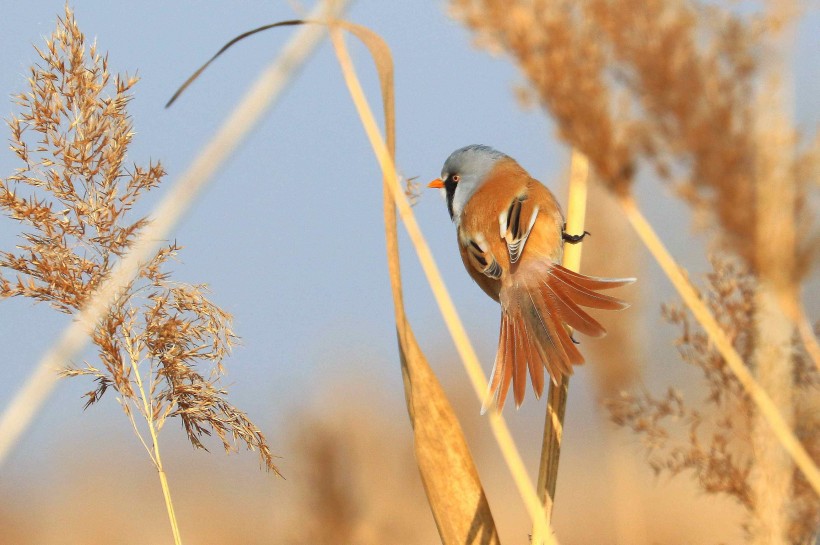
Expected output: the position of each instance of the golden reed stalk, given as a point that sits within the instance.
(557, 397)
(512, 457)
(154, 453)
(451, 482)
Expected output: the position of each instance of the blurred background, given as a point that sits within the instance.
(290, 239)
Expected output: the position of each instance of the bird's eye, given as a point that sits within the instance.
(456, 178)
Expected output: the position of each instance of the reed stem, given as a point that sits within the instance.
(148, 411)
(557, 397)
(541, 529)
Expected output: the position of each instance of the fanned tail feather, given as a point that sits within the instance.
(591, 282)
(540, 305)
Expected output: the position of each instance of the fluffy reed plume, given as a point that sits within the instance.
(714, 441)
(555, 47)
(616, 359)
(162, 344)
(696, 92)
(682, 100)
(331, 494)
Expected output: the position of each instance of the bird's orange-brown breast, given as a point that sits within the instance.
(480, 219)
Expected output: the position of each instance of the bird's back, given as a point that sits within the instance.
(506, 182)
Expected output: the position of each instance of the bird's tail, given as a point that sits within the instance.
(538, 306)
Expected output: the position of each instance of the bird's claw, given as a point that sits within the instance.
(572, 239)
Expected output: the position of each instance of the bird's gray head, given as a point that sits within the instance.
(463, 173)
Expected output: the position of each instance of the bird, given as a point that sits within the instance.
(511, 236)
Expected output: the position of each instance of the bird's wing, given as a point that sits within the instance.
(515, 223)
(481, 257)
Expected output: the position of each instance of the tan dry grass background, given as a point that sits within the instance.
(365, 449)
(617, 362)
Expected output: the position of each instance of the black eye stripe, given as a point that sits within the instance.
(450, 189)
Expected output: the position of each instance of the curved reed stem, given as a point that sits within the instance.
(512, 457)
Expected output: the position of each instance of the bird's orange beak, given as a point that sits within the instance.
(436, 184)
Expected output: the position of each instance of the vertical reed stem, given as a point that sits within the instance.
(166, 493)
(557, 398)
(148, 410)
(551, 445)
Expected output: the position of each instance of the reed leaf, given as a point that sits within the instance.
(451, 482)
(447, 470)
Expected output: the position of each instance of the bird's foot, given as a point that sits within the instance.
(572, 239)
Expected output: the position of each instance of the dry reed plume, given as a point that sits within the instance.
(617, 360)
(162, 343)
(338, 479)
(696, 93)
(666, 82)
(713, 441)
